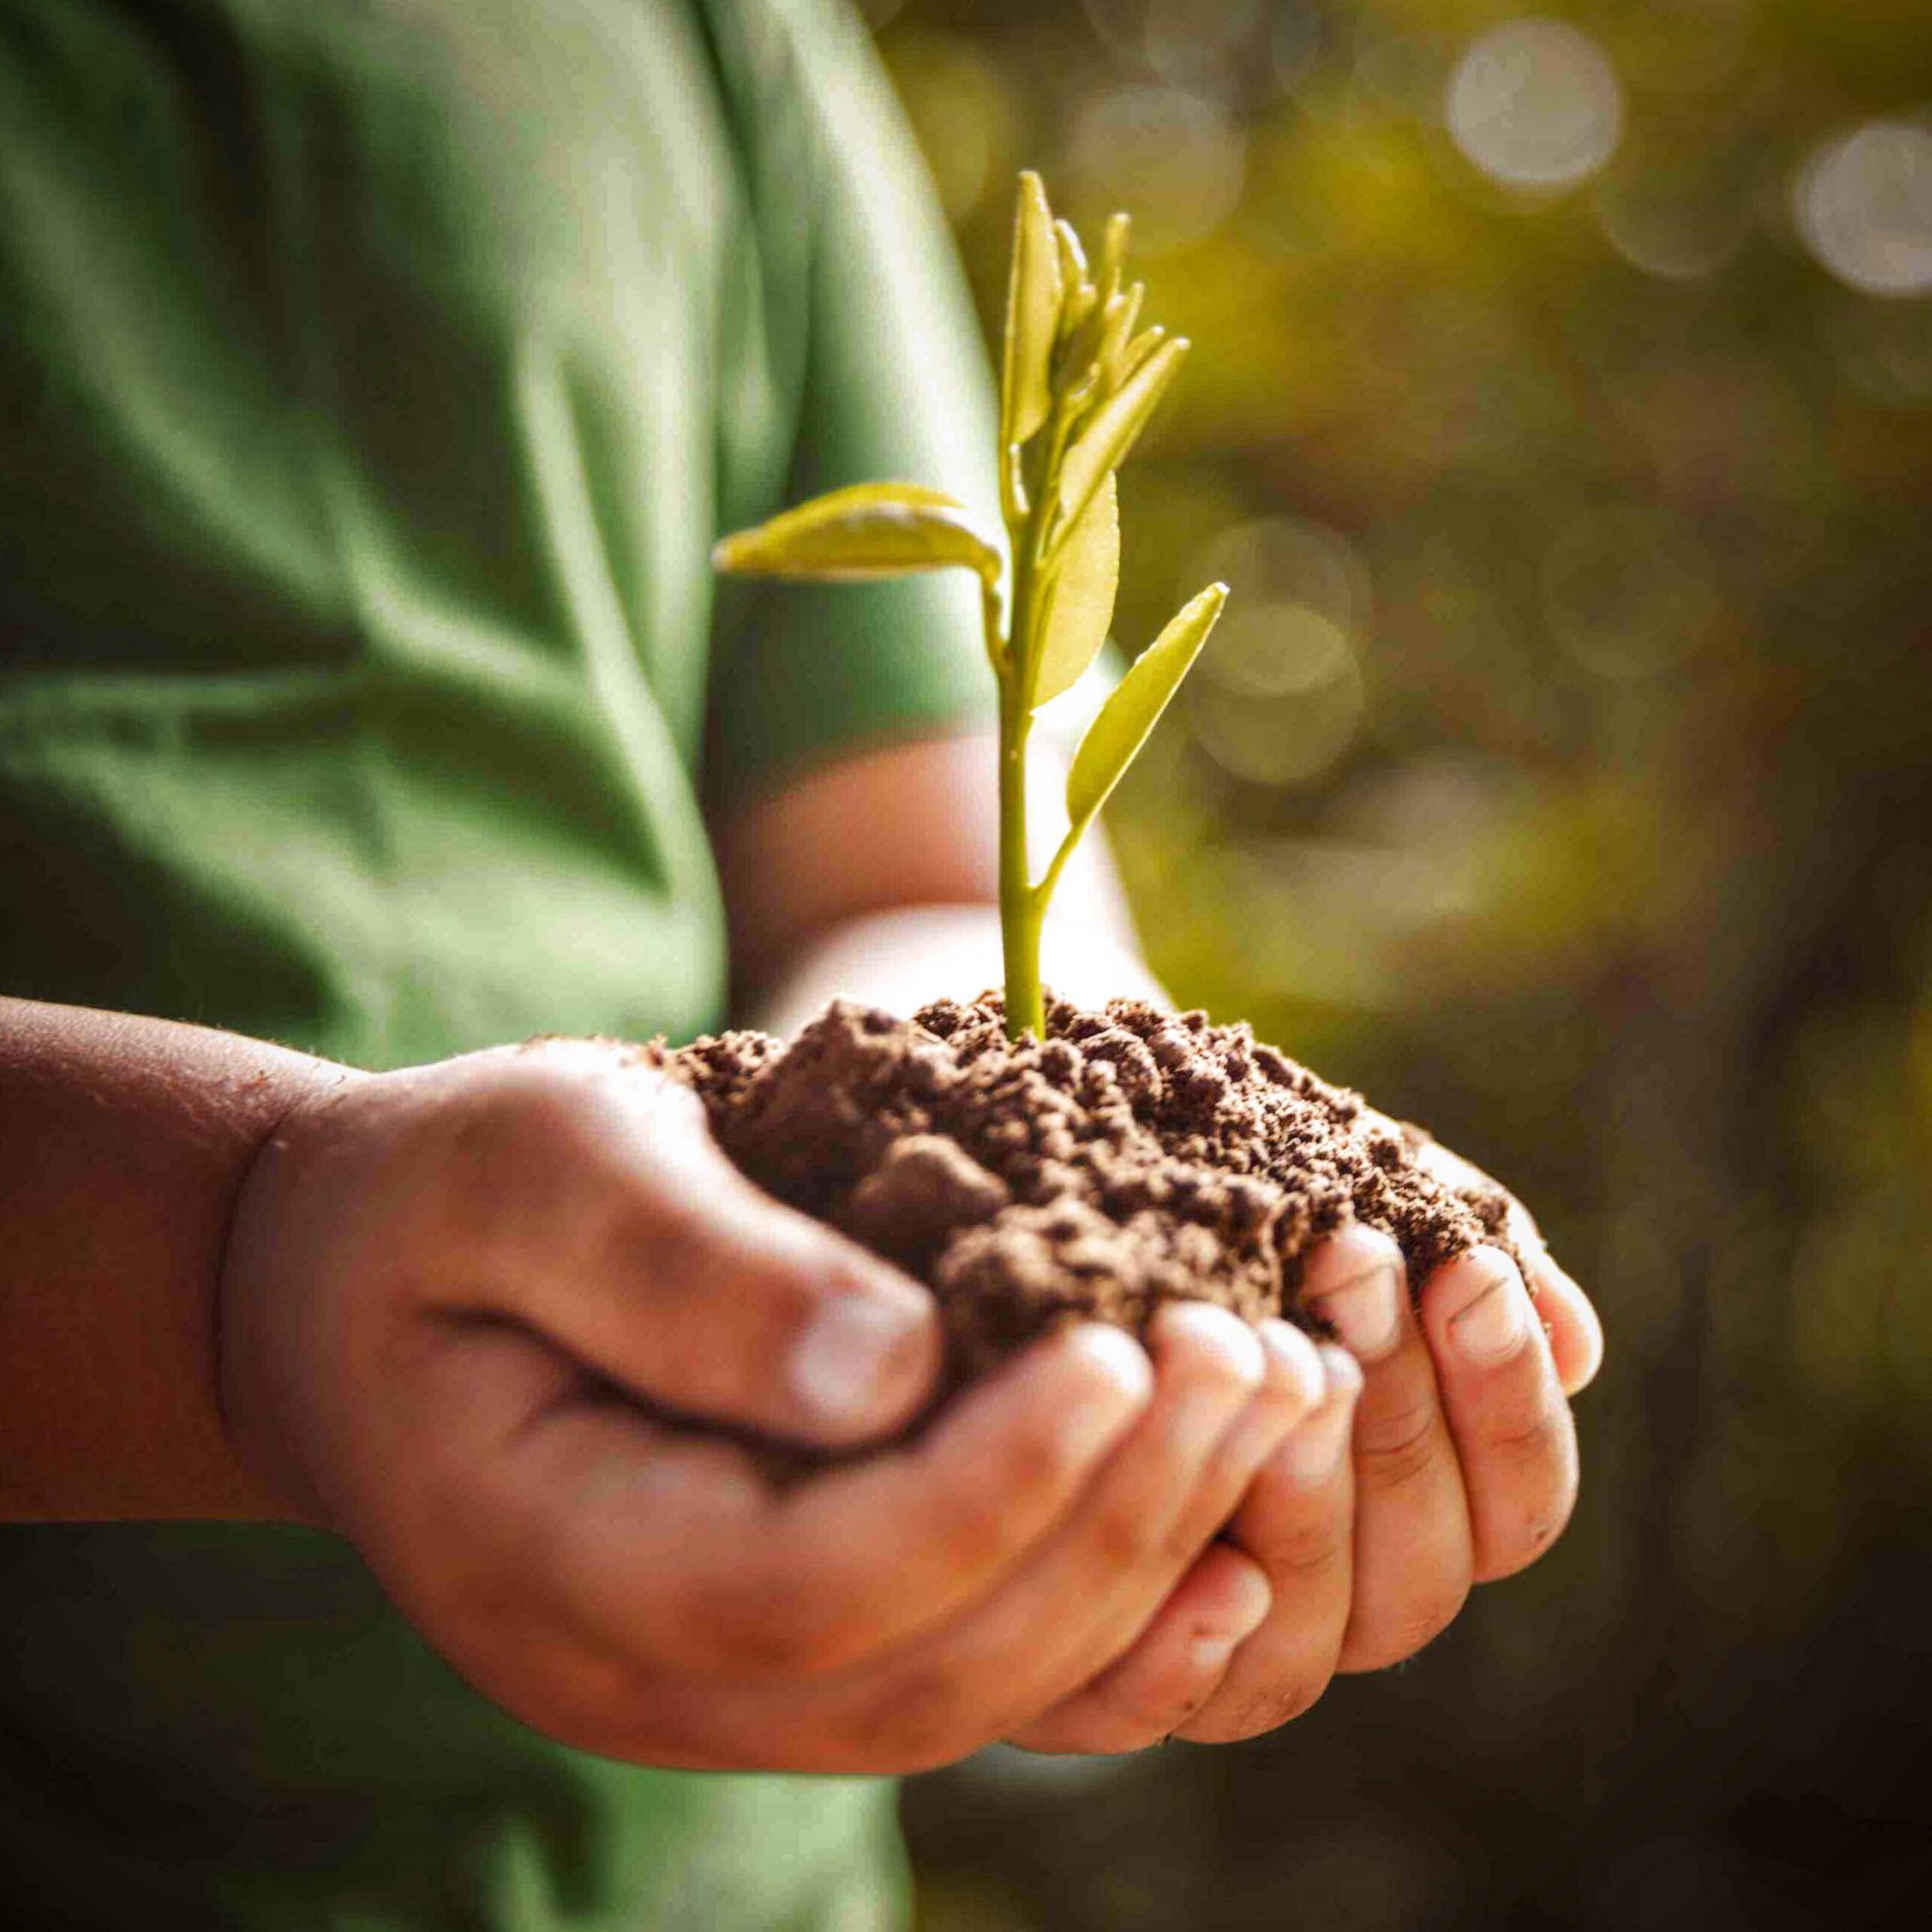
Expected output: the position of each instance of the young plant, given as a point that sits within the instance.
(1077, 386)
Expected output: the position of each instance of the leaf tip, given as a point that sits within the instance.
(1207, 605)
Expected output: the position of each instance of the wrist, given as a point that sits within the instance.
(244, 1271)
(141, 1132)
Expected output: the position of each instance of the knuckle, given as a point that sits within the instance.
(1013, 1488)
(976, 1532)
(676, 1251)
(1399, 1636)
(1306, 1549)
(524, 1105)
(1034, 1463)
(985, 1517)
(502, 1144)
(1177, 1547)
(1393, 1448)
(1119, 1537)
(1526, 1433)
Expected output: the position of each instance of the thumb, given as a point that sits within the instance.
(703, 1294)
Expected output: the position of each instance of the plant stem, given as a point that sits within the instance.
(1021, 908)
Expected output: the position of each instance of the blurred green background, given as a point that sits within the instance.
(1561, 414)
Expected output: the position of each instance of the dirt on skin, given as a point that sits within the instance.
(1132, 1157)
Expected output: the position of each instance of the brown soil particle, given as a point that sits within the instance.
(1134, 1156)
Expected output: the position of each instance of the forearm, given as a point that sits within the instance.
(873, 878)
(126, 1139)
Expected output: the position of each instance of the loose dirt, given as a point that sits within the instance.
(1132, 1156)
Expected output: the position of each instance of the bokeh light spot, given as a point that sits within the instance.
(1863, 204)
(1275, 650)
(1279, 695)
(1287, 560)
(1535, 104)
(1178, 39)
(1174, 158)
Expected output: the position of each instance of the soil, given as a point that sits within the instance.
(1132, 1156)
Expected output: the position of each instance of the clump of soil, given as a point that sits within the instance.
(1131, 1157)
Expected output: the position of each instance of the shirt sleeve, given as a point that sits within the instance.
(893, 384)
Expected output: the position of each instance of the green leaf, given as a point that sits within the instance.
(1116, 327)
(1083, 597)
(1108, 437)
(1137, 351)
(1032, 315)
(871, 530)
(1114, 739)
(1077, 293)
(1113, 256)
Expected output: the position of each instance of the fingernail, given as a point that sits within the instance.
(853, 1352)
(1315, 1449)
(1207, 1654)
(1367, 1312)
(1253, 1601)
(1491, 1326)
(1125, 1382)
(1213, 1327)
(1204, 1409)
(1341, 1375)
(1294, 1355)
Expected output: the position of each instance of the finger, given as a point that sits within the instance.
(1172, 1670)
(1569, 1320)
(667, 1549)
(1575, 1333)
(1226, 1396)
(654, 1261)
(1413, 1553)
(1060, 1616)
(1295, 1522)
(1505, 1410)
(1292, 1386)
(1080, 1600)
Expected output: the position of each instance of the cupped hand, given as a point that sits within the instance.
(1440, 1453)
(470, 1311)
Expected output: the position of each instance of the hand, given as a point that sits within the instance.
(1463, 1470)
(463, 1304)
(1465, 1455)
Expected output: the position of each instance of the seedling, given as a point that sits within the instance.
(1077, 386)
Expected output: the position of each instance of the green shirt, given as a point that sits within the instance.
(374, 375)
